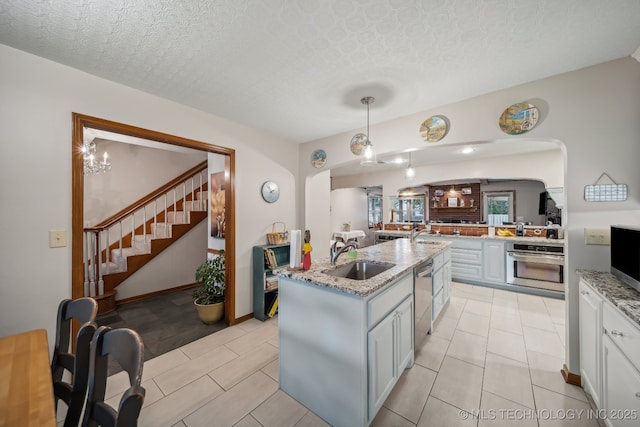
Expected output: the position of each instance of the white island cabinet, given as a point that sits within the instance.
(345, 343)
(590, 341)
(334, 345)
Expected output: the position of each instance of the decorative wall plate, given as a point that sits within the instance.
(434, 128)
(518, 118)
(318, 158)
(358, 143)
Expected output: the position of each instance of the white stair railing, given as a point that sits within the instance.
(97, 239)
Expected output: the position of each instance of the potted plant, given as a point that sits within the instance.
(208, 297)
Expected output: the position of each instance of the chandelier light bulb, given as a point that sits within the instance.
(368, 151)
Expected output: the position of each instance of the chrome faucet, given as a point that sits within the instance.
(415, 233)
(335, 253)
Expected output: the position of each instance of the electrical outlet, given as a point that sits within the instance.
(597, 236)
(57, 238)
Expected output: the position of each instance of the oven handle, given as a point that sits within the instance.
(540, 259)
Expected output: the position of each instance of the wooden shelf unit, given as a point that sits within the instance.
(456, 208)
(263, 298)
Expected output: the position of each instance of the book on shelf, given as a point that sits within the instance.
(274, 308)
(271, 283)
(270, 258)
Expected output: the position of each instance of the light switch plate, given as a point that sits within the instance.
(597, 236)
(57, 238)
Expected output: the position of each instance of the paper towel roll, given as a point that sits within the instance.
(295, 255)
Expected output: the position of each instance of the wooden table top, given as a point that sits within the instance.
(26, 387)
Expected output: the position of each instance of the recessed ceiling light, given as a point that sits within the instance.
(467, 150)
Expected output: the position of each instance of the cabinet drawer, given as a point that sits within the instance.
(466, 256)
(438, 303)
(462, 243)
(447, 255)
(438, 260)
(438, 281)
(383, 303)
(466, 271)
(622, 332)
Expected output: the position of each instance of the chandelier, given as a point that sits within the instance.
(91, 164)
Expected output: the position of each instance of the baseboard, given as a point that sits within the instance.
(569, 378)
(241, 319)
(155, 294)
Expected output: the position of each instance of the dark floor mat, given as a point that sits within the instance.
(164, 322)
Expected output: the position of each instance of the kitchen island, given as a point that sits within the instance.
(344, 343)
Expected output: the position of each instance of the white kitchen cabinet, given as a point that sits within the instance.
(466, 259)
(390, 351)
(620, 368)
(590, 312)
(441, 283)
(494, 261)
(621, 387)
(342, 354)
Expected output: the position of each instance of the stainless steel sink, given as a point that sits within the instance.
(359, 270)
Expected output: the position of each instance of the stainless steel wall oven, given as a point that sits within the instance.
(536, 266)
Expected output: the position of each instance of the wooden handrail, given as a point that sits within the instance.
(114, 219)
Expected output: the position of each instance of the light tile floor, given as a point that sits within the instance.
(494, 359)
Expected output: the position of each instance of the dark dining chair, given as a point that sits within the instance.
(73, 391)
(125, 347)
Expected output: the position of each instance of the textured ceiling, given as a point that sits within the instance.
(298, 68)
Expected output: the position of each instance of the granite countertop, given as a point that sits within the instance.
(619, 293)
(401, 252)
(526, 239)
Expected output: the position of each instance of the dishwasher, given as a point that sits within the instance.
(422, 294)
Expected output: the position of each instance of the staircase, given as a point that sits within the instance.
(122, 244)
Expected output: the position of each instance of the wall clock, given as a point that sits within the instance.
(270, 191)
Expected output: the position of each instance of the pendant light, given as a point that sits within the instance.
(410, 172)
(369, 155)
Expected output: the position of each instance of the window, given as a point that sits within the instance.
(498, 207)
(374, 203)
(407, 209)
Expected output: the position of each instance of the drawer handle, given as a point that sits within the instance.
(616, 333)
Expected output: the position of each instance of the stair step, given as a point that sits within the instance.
(178, 217)
(195, 205)
(161, 230)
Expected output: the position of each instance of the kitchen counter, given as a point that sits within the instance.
(401, 252)
(623, 296)
(517, 239)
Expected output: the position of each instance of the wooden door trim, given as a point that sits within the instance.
(81, 121)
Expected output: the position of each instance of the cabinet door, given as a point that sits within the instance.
(382, 362)
(590, 335)
(404, 314)
(620, 386)
(494, 262)
(446, 277)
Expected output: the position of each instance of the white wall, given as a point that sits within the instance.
(175, 266)
(318, 213)
(38, 98)
(527, 198)
(349, 205)
(108, 193)
(593, 114)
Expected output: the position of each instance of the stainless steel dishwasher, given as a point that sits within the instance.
(422, 294)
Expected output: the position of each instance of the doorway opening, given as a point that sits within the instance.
(82, 122)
